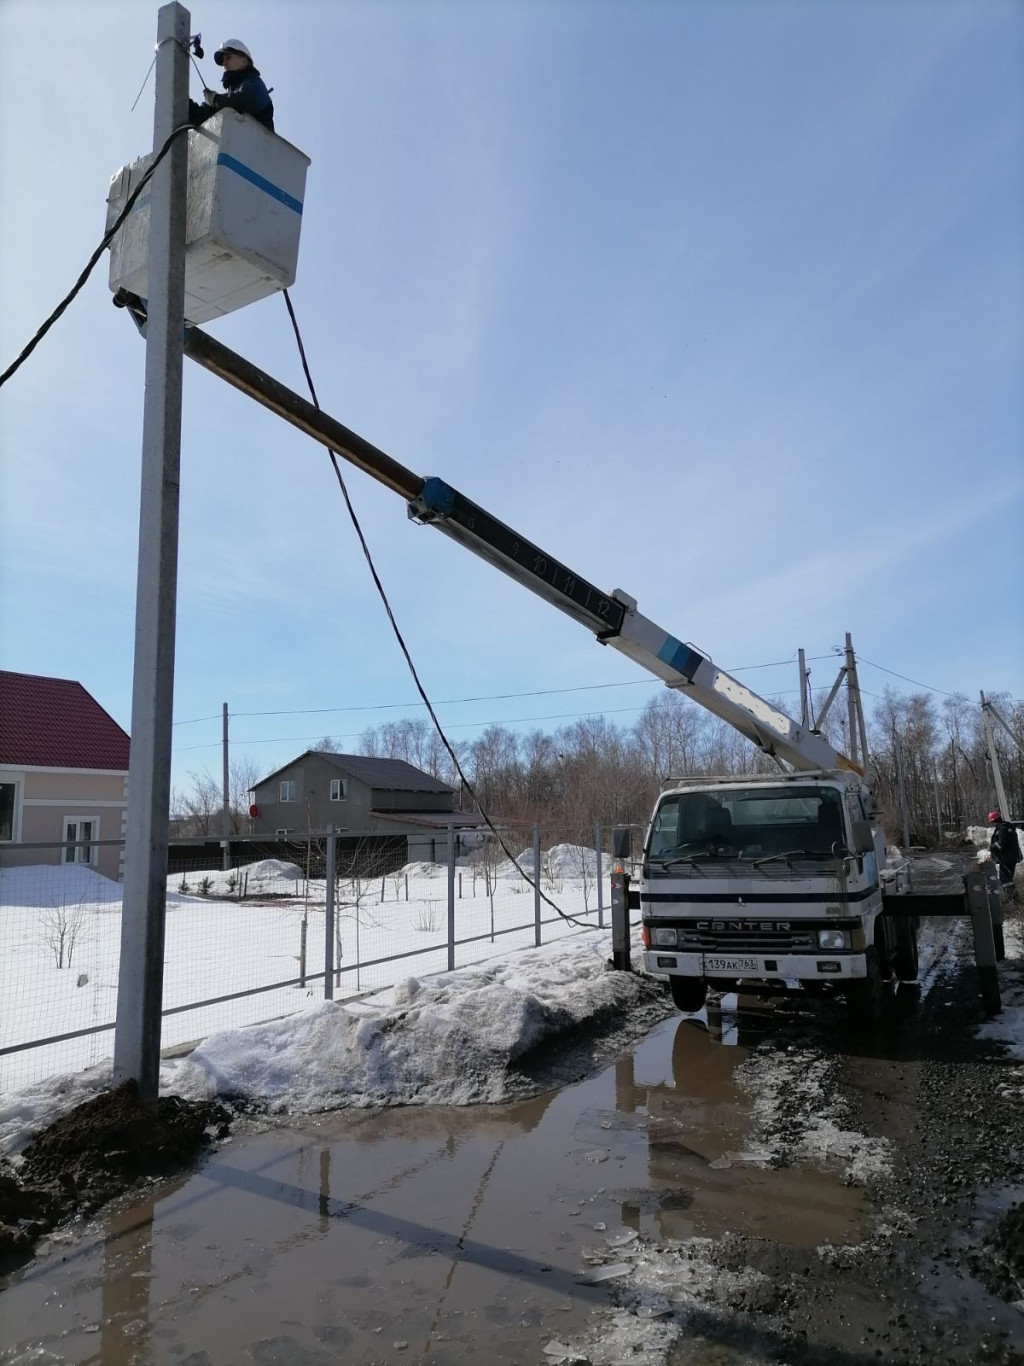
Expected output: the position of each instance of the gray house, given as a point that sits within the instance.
(359, 797)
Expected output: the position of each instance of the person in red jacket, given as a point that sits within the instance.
(1004, 846)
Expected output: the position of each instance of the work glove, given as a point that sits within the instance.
(210, 96)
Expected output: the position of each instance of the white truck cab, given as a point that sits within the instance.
(773, 878)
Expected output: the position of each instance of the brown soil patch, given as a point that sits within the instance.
(94, 1152)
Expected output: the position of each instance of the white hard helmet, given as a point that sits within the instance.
(231, 45)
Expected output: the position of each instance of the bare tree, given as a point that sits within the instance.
(61, 928)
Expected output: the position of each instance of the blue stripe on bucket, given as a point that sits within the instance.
(259, 181)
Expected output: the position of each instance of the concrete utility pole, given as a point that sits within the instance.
(993, 759)
(140, 980)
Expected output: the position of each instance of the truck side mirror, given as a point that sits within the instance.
(621, 844)
(863, 837)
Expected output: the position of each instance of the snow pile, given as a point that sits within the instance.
(449, 1039)
(417, 870)
(265, 877)
(63, 884)
(24, 1113)
(560, 862)
(790, 1092)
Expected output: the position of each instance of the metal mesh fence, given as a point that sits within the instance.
(248, 943)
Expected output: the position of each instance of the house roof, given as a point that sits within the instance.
(433, 820)
(55, 723)
(385, 775)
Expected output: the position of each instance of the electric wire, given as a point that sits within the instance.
(105, 241)
(533, 882)
(143, 85)
(485, 697)
(941, 691)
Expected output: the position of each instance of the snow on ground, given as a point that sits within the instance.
(788, 1097)
(448, 1039)
(218, 944)
(1008, 1027)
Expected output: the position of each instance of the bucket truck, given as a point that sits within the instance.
(764, 879)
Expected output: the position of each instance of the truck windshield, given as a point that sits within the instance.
(748, 823)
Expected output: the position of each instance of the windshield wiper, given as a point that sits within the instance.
(788, 854)
(680, 858)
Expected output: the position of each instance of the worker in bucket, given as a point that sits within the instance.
(1004, 847)
(244, 89)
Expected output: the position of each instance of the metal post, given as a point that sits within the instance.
(451, 897)
(226, 816)
(805, 714)
(598, 841)
(976, 885)
(995, 906)
(329, 873)
(140, 979)
(620, 899)
(536, 884)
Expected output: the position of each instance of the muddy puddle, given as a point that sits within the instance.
(425, 1235)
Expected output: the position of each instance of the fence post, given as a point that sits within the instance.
(598, 841)
(536, 884)
(329, 918)
(620, 899)
(451, 897)
(995, 905)
(976, 885)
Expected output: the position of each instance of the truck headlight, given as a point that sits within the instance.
(833, 939)
(665, 938)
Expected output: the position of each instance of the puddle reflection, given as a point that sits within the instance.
(458, 1232)
(704, 1177)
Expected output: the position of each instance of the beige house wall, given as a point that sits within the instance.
(46, 798)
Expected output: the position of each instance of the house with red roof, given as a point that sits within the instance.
(63, 775)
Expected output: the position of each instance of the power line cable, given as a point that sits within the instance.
(485, 697)
(941, 691)
(534, 882)
(105, 241)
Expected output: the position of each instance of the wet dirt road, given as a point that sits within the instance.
(767, 1184)
(428, 1234)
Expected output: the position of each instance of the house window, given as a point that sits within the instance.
(8, 794)
(339, 789)
(288, 790)
(79, 834)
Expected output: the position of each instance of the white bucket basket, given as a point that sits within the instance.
(244, 214)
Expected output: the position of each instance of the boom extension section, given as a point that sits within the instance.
(611, 616)
(615, 621)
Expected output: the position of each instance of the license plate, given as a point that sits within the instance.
(736, 965)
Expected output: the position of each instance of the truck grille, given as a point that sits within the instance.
(738, 940)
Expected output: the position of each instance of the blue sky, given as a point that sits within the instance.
(721, 303)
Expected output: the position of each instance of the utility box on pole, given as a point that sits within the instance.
(243, 217)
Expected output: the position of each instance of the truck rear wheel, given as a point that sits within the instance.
(688, 993)
(904, 960)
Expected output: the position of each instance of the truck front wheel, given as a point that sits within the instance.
(905, 958)
(866, 996)
(688, 993)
